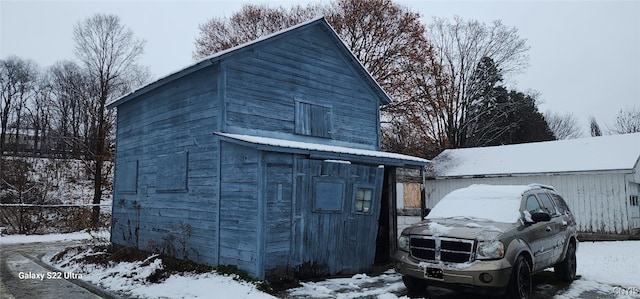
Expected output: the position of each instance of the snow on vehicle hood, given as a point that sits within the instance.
(461, 228)
(494, 203)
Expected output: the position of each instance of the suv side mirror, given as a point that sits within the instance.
(540, 217)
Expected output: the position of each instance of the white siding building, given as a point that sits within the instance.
(599, 177)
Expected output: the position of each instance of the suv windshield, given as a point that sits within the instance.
(472, 202)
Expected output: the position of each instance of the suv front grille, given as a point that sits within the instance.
(440, 249)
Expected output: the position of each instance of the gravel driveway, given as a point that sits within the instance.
(24, 275)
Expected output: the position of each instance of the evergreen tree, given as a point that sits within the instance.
(500, 116)
(532, 126)
(594, 127)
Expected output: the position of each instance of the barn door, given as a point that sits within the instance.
(362, 212)
(337, 206)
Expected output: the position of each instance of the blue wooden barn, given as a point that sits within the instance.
(264, 156)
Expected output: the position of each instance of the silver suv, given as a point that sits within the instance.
(490, 239)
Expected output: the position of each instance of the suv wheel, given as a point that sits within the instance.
(566, 270)
(520, 283)
(414, 285)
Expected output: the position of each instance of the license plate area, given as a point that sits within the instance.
(435, 273)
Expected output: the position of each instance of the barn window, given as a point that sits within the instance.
(127, 176)
(363, 200)
(328, 196)
(313, 120)
(172, 172)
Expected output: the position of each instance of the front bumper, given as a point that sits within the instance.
(481, 276)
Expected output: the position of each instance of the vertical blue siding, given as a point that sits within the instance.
(239, 208)
(278, 195)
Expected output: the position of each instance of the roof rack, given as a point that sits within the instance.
(536, 185)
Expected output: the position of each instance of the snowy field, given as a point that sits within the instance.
(607, 267)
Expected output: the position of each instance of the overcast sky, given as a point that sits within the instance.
(584, 56)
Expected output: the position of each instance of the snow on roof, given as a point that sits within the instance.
(307, 146)
(473, 201)
(605, 153)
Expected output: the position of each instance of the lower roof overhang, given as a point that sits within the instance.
(325, 152)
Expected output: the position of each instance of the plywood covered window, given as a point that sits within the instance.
(127, 177)
(172, 172)
(313, 120)
(328, 196)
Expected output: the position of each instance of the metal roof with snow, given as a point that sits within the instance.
(324, 151)
(606, 153)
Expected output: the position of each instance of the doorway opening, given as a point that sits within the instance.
(387, 221)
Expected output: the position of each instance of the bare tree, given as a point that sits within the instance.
(39, 112)
(251, 22)
(563, 126)
(17, 85)
(390, 41)
(387, 38)
(460, 47)
(628, 121)
(74, 93)
(64, 78)
(594, 128)
(109, 52)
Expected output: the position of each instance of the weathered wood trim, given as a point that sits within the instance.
(218, 200)
(296, 217)
(222, 96)
(261, 237)
(390, 180)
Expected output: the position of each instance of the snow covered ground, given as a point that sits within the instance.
(18, 239)
(606, 268)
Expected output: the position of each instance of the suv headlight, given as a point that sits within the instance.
(490, 250)
(403, 243)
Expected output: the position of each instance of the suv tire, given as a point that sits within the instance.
(566, 270)
(520, 283)
(414, 285)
